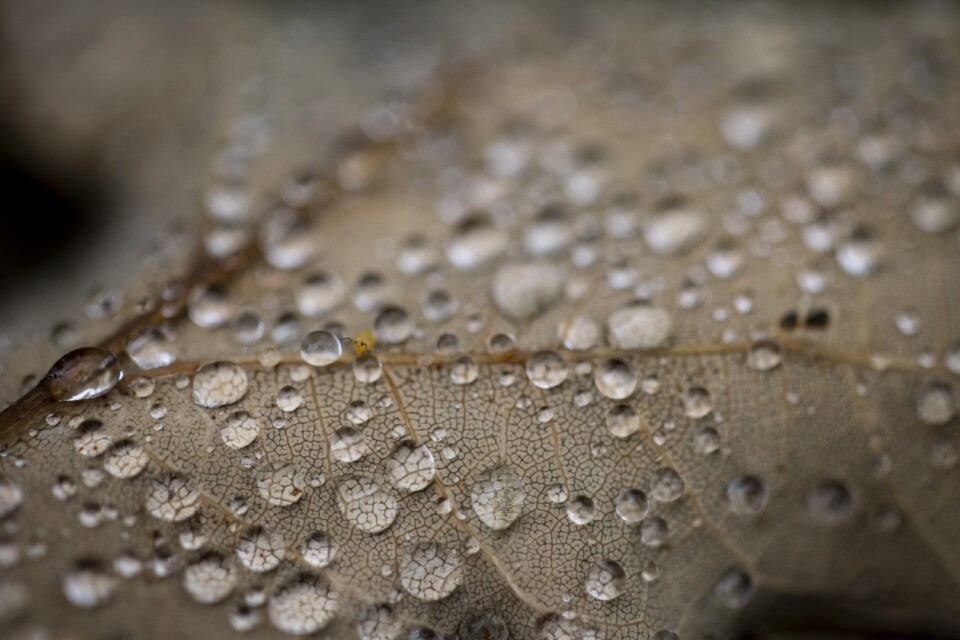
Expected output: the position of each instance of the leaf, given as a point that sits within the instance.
(635, 342)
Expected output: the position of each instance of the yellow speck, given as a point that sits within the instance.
(364, 342)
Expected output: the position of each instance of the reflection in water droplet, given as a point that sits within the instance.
(606, 580)
(429, 571)
(497, 496)
(82, 374)
(219, 383)
(303, 605)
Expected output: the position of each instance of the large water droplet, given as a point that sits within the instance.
(320, 348)
(365, 505)
(411, 466)
(475, 242)
(747, 495)
(82, 374)
(126, 460)
(632, 505)
(668, 486)
(260, 550)
(303, 605)
(282, 487)
(319, 550)
(88, 585)
(674, 232)
(429, 571)
(210, 579)
(172, 499)
(623, 421)
(219, 383)
(734, 589)
(546, 369)
(497, 496)
(240, 431)
(606, 580)
(639, 325)
(393, 325)
(522, 291)
(615, 378)
(347, 444)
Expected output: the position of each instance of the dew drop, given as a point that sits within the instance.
(88, 585)
(623, 421)
(126, 460)
(210, 579)
(282, 487)
(615, 378)
(172, 499)
(639, 325)
(219, 383)
(393, 325)
(260, 550)
(546, 369)
(936, 405)
(347, 444)
(429, 571)
(829, 502)
(303, 605)
(606, 580)
(240, 431)
(319, 550)
(209, 307)
(320, 293)
(367, 369)
(860, 255)
(497, 497)
(734, 589)
(320, 349)
(365, 505)
(522, 291)
(765, 355)
(697, 402)
(475, 242)
(289, 399)
(411, 466)
(11, 497)
(674, 232)
(668, 486)
(632, 505)
(747, 495)
(82, 374)
(581, 510)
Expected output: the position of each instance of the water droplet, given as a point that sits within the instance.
(172, 499)
(367, 369)
(581, 333)
(219, 383)
(209, 307)
(464, 371)
(429, 571)
(210, 579)
(546, 369)
(734, 589)
(365, 505)
(93, 439)
(11, 497)
(860, 255)
(393, 325)
(581, 510)
(320, 293)
(706, 440)
(303, 605)
(668, 486)
(359, 412)
(82, 374)
(697, 402)
(747, 495)
(933, 210)
(475, 242)
(320, 349)
(615, 378)
(936, 405)
(260, 550)
(639, 325)
(240, 431)
(653, 532)
(764, 355)
(285, 239)
(674, 232)
(411, 466)
(522, 291)
(829, 502)
(623, 421)
(348, 444)
(289, 399)
(282, 487)
(632, 505)
(88, 585)
(497, 496)
(606, 580)
(126, 460)
(319, 550)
